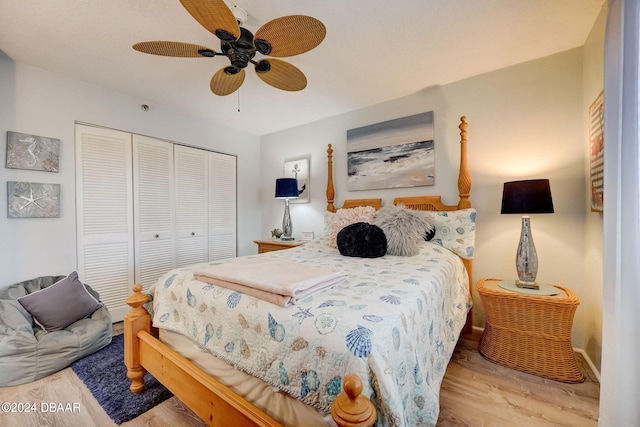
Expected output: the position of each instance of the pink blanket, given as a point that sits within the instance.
(279, 282)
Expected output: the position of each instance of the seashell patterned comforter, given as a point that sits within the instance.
(395, 322)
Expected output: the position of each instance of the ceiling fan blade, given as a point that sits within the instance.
(214, 15)
(291, 35)
(176, 49)
(223, 83)
(281, 75)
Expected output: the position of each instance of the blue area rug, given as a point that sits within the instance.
(105, 375)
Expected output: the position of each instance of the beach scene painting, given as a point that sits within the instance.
(392, 154)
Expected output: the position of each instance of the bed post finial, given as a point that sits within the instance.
(464, 176)
(351, 408)
(330, 191)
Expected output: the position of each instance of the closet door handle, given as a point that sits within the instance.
(156, 236)
(193, 233)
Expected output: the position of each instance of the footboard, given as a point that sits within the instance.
(213, 402)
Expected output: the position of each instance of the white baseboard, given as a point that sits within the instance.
(589, 362)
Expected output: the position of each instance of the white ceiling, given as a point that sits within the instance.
(374, 50)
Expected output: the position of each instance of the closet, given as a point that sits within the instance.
(145, 206)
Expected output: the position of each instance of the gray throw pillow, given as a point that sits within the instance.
(61, 304)
(405, 229)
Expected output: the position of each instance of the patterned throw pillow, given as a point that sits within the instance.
(344, 217)
(455, 230)
(328, 219)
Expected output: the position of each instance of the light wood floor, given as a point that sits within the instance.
(475, 392)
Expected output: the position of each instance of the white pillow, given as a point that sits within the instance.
(344, 217)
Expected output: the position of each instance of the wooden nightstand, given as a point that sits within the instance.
(275, 245)
(530, 333)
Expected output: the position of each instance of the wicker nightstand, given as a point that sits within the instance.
(530, 333)
(275, 245)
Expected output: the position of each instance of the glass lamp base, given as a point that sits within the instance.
(526, 257)
(286, 223)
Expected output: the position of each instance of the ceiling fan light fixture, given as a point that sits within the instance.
(208, 53)
(262, 46)
(231, 70)
(263, 66)
(224, 35)
(245, 41)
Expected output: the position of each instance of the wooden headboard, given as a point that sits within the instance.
(423, 203)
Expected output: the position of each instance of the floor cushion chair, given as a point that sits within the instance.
(36, 338)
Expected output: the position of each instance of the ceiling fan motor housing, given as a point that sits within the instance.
(240, 51)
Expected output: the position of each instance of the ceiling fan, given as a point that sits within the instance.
(281, 37)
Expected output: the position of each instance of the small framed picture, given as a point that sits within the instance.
(298, 168)
(33, 200)
(306, 235)
(596, 148)
(32, 152)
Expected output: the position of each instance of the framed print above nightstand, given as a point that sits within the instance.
(298, 168)
(33, 200)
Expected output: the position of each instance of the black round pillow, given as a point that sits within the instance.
(362, 240)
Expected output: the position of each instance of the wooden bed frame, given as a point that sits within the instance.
(216, 404)
(421, 203)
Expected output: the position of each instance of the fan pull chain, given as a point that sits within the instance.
(238, 101)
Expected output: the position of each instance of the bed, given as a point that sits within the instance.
(372, 348)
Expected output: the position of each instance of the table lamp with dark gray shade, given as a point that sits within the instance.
(531, 196)
(286, 188)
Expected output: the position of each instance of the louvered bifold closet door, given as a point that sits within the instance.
(222, 206)
(191, 205)
(154, 217)
(105, 214)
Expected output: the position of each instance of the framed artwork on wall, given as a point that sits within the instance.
(33, 200)
(298, 168)
(596, 150)
(32, 152)
(392, 154)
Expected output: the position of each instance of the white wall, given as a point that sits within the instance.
(525, 121)
(38, 102)
(592, 297)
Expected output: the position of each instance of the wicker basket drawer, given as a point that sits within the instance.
(530, 333)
